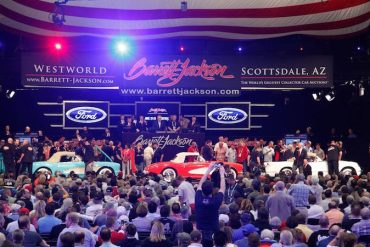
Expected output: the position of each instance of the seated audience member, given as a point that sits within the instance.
(47, 222)
(355, 216)
(68, 239)
(130, 240)
(142, 223)
(72, 222)
(320, 234)
(196, 239)
(302, 225)
(157, 237)
(333, 232)
(334, 215)
(267, 238)
(362, 227)
(30, 238)
(105, 235)
(79, 238)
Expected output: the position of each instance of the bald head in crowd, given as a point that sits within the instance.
(280, 186)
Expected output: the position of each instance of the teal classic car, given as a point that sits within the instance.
(66, 162)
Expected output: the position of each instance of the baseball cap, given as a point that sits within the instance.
(109, 189)
(15, 207)
(24, 211)
(78, 181)
(249, 228)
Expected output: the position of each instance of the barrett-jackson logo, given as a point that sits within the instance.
(172, 72)
(164, 140)
(227, 115)
(157, 110)
(86, 114)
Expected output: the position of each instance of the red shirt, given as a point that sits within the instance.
(115, 238)
(242, 154)
(192, 149)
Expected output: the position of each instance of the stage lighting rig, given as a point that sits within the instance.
(184, 6)
(330, 96)
(9, 93)
(317, 96)
(57, 16)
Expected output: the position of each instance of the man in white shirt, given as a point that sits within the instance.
(268, 152)
(148, 154)
(186, 192)
(314, 211)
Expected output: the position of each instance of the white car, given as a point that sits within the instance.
(318, 165)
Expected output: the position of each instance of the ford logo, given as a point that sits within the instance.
(227, 115)
(86, 114)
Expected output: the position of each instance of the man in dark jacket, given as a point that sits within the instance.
(8, 151)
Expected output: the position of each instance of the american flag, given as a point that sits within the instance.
(157, 19)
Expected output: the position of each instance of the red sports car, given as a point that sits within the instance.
(180, 165)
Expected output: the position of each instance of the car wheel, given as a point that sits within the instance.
(169, 174)
(287, 171)
(104, 169)
(348, 171)
(42, 170)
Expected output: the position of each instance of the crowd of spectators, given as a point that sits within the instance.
(137, 209)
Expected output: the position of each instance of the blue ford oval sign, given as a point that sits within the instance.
(227, 115)
(86, 114)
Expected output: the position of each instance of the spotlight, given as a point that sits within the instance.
(317, 96)
(184, 6)
(330, 96)
(240, 49)
(301, 48)
(182, 48)
(122, 47)
(9, 93)
(58, 46)
(359, 48)
(361, 91)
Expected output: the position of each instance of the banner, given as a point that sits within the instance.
(150, 110)
(176, 75)
(72, 70)
(228, 116)
(171, 144)
(92, 114)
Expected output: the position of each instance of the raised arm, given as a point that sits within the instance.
(222, 178)
(205, 176)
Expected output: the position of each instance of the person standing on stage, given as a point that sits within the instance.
(193, 148)
(158, 154)
(332, 158)
(173, 124)
(207, 151)
(26, 158)
(184, 124)
(88, 157)
(194, 126)
(231, 154)
(148, 154)
(242, 155)
(255, 158)
(8, 151)
(126, 160)
(300, 154)
(319, 152)
(220, 149)
(159, 124)
(279, 151)
(139, 157)
(268, 152)
(17, 156)
(141, 125)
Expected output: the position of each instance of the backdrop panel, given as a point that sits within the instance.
(171, 144)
